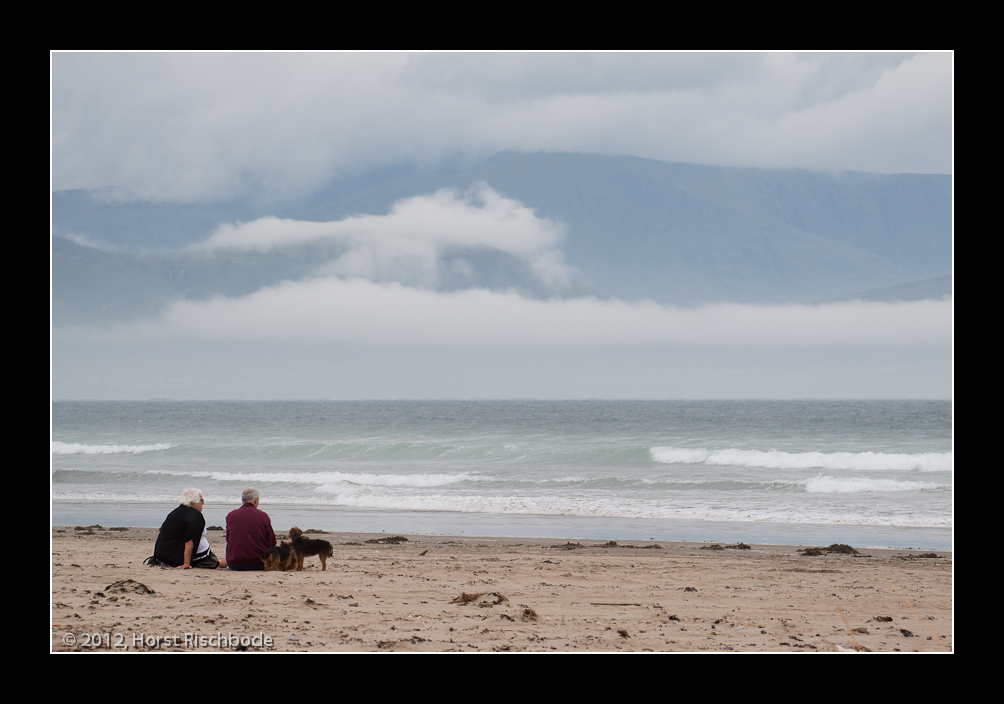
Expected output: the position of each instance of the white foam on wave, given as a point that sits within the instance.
(831, 485)
(776, 459)
(593, 508)
(358, 497)
(324, 478)
(73, 448)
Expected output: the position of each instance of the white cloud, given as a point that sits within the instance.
(884, 122)
(392, 315)
(406, 244)
(198, 127)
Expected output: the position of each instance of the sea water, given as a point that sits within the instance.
(867, 473)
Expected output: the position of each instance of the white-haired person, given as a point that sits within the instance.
(182, 541)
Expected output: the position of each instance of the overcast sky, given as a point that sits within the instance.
(204, 127)
(190, 127)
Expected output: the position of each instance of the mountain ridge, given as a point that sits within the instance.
(680, 234)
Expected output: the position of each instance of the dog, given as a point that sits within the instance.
(305, 547)
(280, 557)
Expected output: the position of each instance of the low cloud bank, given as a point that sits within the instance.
(363, 312)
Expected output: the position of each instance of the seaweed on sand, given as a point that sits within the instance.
(838, 548)
(466, 598)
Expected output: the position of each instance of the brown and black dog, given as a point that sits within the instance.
(280, 557)
(305, 547)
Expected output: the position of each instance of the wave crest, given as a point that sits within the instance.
(776, 459)
(73, 448)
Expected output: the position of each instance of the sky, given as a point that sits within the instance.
(270, 128)
(196, 127)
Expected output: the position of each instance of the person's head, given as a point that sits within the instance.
(192, 496)
(250, 496)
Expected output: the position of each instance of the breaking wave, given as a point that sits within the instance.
(776, 459)
(73, 448)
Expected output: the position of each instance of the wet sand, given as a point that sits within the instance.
(464, 594)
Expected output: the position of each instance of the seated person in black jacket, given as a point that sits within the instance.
(182, 540)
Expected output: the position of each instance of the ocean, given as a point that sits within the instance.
(865, 473)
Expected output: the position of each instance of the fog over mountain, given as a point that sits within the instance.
(618, 227)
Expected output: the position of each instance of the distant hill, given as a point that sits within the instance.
(90, 285)
(93, 286)
(926, 289)
(675, 233)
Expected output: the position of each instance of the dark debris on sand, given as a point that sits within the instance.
(838, 548)
(128, 586)
(734, 546)
(925, 555)
(613, 544)
(465, 598)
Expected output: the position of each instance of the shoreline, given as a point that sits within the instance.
(535, 595)
(525, 526)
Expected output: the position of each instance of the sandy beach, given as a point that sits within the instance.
(464, 594)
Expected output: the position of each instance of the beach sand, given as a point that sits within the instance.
(536, 595)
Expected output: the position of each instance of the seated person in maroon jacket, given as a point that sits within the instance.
(249, 534)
